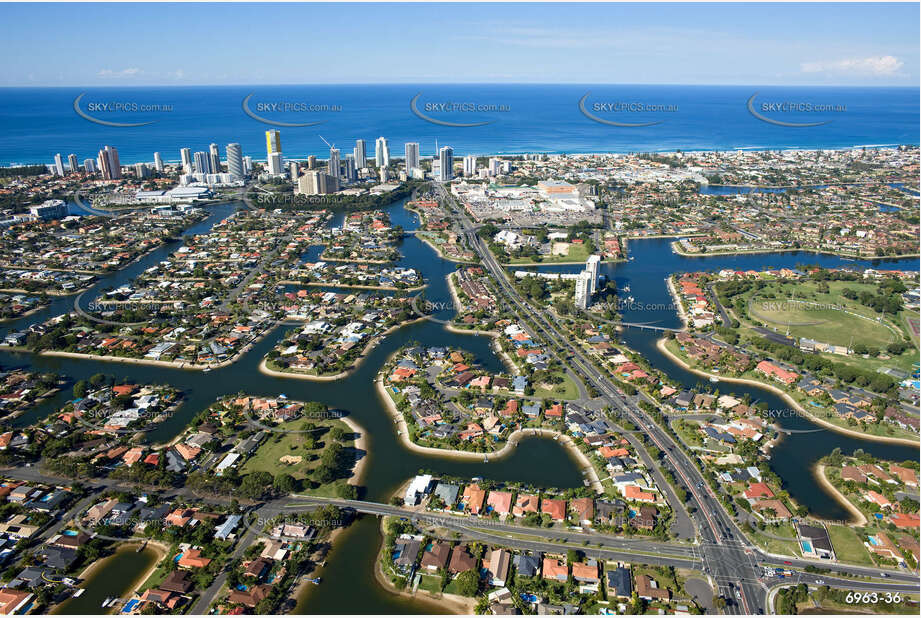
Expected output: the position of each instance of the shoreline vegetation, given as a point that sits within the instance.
(660, 344)
(511, 442)
(454, 603)
(676, 248)
(859, 518)
(373, 343)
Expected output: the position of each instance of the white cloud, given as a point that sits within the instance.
(874, 65)
(110, 74)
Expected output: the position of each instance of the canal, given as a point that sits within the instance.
(539, 461)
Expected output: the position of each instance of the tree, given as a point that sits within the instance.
(468, 583)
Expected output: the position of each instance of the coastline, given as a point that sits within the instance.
(660, 344)
(819, 473)
(510, 444)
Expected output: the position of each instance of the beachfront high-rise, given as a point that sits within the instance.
(273, 151)
(58, 164)
(214, 156)
(360, 152)
(158, 162)
(202, 163)
(109, 163)
(235, 161)
(382, 152)
(333, 166)
(72, 163)
(411, 156)
(89, 166)
(470, 165)
(446, 163)
(185, 155)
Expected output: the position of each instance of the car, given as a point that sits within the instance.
(820, 582)
(884, 575)
(787, 562)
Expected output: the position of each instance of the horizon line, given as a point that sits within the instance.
(461, 83)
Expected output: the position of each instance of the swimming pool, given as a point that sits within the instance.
(807, 547)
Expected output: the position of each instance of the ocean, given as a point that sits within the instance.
(36, 123)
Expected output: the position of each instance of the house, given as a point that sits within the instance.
(527, 565)
(648, 588)
(525, 503)
(418, 488)
(619, 584)
(473, 498)
(904, 520)
(461, 560)
(555, 508)
(877, 499)
(250, 597)
(447, 493)
(758, 490)
(177, 581)
(815, 542)
(13, 601)
(407, 550)
(880, 545)
(498, 561)
(555, 569)
(192, 559)
(436, 556)
(586, 572)
(584, 509)
(500, 502)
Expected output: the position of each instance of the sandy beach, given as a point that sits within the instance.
(454, 603)
(660, 344)
(361, 443)
(859, 518)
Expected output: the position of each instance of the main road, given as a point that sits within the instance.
(728, 556)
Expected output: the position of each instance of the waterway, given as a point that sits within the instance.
(116, 577)
(538, 461)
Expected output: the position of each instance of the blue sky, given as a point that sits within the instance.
(189, 44)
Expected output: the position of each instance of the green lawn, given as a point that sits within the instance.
(576, 253)
(773, 545)
(268, 457)
(564, 390)
(848, 545)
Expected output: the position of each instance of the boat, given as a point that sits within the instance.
(314, 580)
(626, 288)
(486, 460)
(206, 370)
(79, 592)
(714, 379)
(106, 602)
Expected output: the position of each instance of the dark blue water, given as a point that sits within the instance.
(36, 123)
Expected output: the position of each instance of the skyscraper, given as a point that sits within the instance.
(470, 165)
(312, 162)
(185, 155)
(89, 166)
(272, 141)
(333, 167)
(276, 163)
(382, 152)
(411, 153)
(446, 163)
(202, 163)
(58, 165)
(158, 162)
(583, 294)
(72, 163)
(592, 265)
(235, 161)
(349, 169)
(292, 170)
(109, 163)
(215, 159)
(360, 152)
